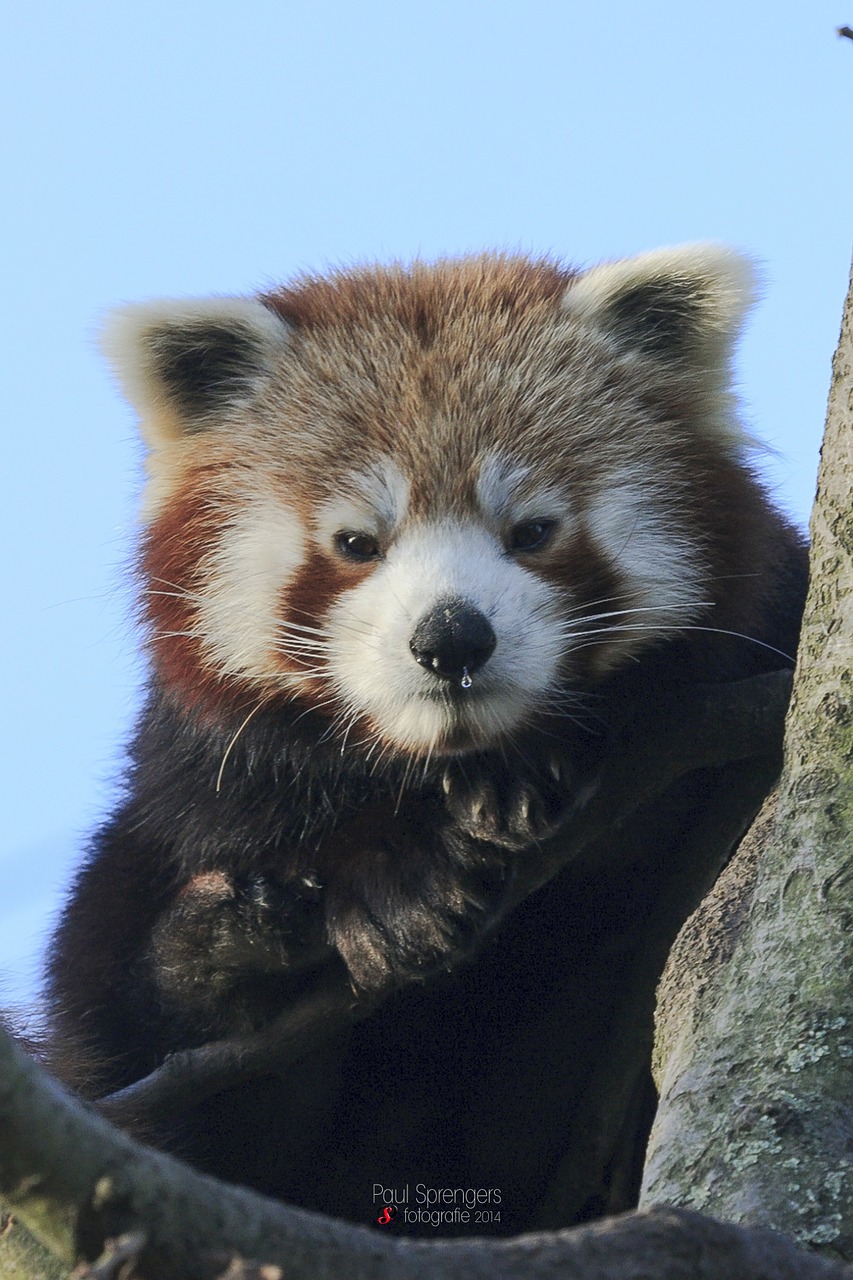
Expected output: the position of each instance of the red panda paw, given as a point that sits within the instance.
(510, 804)
(223, 937)
(413, 903)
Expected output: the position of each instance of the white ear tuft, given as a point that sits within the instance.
(183, 363)
(682, 305)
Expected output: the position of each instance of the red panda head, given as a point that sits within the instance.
(429, 504)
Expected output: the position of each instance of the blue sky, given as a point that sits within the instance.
(189, 148)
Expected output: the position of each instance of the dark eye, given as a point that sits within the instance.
(531, 535)
(357, 546)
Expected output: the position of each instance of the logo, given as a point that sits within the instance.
(387, 1215)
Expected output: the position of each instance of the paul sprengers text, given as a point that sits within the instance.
(436, 1206)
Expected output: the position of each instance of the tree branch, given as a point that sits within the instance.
(76, 1183)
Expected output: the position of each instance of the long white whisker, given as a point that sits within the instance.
(230, 746)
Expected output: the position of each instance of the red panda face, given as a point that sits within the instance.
(431, 506)
(435, 647)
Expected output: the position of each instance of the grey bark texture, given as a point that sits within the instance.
(754, 1057)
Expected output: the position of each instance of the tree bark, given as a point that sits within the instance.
(77, 1183)
(755, 1044)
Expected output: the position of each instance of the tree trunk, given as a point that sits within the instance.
(755, 1041)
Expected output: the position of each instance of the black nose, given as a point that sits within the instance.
(453, 639)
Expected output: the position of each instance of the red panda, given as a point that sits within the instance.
(413, 537)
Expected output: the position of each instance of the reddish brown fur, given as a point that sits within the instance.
(423, 296)
(172, 550)
(305, 601)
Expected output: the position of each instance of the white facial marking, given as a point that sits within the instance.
(506, 495)
(498, 484)
(372, 501)
(259, 550)
(662, 571)
(370, 628)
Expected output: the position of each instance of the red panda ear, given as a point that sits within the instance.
(183, 364)
(682, 307)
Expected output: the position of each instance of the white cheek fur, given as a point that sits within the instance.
(369, 629)
(239, 608)
(662, 571)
